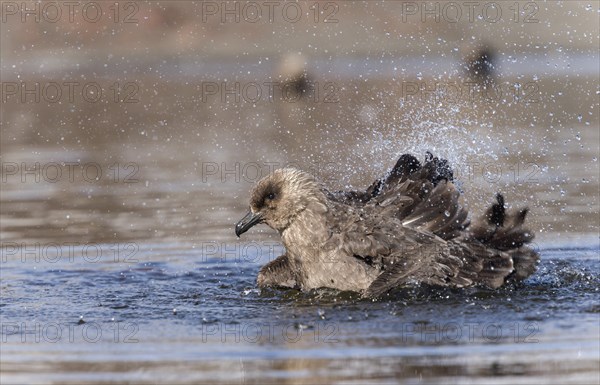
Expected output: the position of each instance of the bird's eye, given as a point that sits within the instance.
(271, 196)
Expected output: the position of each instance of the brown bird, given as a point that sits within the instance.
(406, 228)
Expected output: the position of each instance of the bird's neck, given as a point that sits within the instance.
(309, 228)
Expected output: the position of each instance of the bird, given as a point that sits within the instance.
(407, 228)
(481, 64)
(296, 82)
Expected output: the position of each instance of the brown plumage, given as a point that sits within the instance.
(406, 228)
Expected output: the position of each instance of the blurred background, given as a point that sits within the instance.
(172, 85)
(141, 127)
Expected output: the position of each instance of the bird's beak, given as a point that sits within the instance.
(247, 222)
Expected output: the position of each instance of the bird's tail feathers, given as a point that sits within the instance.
(505, 231)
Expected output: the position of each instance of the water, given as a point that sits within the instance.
(224, 330)
(134, 275)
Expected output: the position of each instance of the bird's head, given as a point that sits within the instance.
(279, 198)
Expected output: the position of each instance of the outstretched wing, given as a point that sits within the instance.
(404, 256)
(423, 197)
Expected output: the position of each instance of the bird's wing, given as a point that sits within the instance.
(403, 256)
(423, 197)
(454, 265)
(406, 256)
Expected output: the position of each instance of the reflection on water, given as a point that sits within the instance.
(119, 262)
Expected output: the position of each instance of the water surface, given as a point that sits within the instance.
(135, 276)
